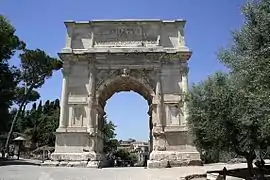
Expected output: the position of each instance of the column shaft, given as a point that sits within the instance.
(63, 103)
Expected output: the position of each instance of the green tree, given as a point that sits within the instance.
(9, 44)
(232, 113)
(40, 123)
(109, 141)
(36, 67)
(123, 154)
(210, 105)
(249, 61)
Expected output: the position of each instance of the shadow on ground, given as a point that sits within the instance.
(8, 162)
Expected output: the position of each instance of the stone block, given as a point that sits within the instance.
(93, 164)
(50, 163)
(163, 159)
(156, 164)
(85, 156)
(83, 163)
(196, 177)
(73, 164)
(63, 163)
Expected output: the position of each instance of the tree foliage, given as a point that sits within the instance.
(9, 43)
(232, 112)
(123, 154)
(35, 67)
(209, 106)
(249, 61)
(109, 142)
(40, 123)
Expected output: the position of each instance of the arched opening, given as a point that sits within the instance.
(128, 110)
(125, 84)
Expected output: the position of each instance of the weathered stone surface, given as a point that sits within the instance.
(63, 163)
(174, 155)
(50, 163)
(84, 156)
(74, 164)
(162, 159)
(93, 164)
(195, 176)
(105, 57)
(157, 164)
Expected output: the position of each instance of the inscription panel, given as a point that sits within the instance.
(131, 36)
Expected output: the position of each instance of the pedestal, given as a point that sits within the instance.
(164, 159)
(174, 149)
(75, 147)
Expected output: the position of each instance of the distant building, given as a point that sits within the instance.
(127, 145)
(140, 148)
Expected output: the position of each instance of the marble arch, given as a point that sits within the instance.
(124, 81)
(103, 57)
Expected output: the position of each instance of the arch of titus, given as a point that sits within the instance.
(104, 57)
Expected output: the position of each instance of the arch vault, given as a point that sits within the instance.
(105, 57)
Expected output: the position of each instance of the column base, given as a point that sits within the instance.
(166, 159)
(85, 159)
(84, 156)
(84, 164)
(75, 147)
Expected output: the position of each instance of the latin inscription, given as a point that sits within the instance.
(121, 36)
(124, 34)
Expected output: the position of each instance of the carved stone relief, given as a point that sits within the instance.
(79, 115)
(160, 142)
(174, 115)
(149, 76)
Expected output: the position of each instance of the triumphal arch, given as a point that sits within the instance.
(104, 57)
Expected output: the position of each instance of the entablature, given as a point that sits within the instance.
(125, 33)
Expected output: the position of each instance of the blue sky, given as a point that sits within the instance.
(209, 23)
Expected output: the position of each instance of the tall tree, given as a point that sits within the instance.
(233, 113)
(40, 123)
(210, 106)
(249, 61)
(9, 44)
(36, 67)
